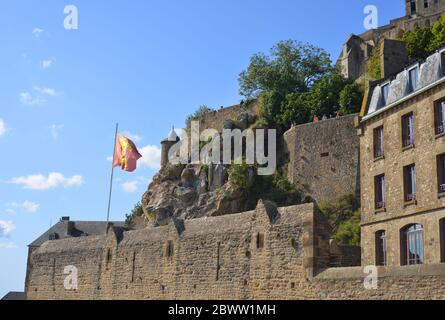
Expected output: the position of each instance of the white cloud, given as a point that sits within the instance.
(41, 182)
(29, 100)
(46, 91)
(151, 156)
(38, 97)
(130, 186)
(10, 211)
(28, 206)
(132, 137)
(133, 185)
(37, 32)
(6, 227)
(55, 130)
(2, 127)
(47, 63)
(7, 245)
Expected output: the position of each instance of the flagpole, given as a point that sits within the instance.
(112, 174)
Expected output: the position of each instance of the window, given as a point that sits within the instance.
(412, 245)
(408, 130)
(169, 249)
(413, 78)
(259, 241)
(379, 192)
(380, 248)
(378, 142)
(441, 172)
(53, 236)
(442, 239)
(410, 182)
(442, 58)
(385, 93)
(425, 4)
(413, 7)
(439, 117)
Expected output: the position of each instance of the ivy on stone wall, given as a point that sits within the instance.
(344, 218)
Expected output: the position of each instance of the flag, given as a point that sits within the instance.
(126, 154)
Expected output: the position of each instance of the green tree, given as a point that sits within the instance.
(350, 99)
(419, 42)
(438, 34)
(292, 66)
(325, 94)
(294, 109)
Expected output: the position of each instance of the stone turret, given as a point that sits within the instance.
(166, 144)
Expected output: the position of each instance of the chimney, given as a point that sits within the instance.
(65, 219)
(70, 228)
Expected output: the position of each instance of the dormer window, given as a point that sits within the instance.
(385, 93)
(53, 236)
(413, 78)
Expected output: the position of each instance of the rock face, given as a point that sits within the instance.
(191, 191)
(194, 191)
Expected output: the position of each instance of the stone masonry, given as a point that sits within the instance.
(324, 158)
(267, 253)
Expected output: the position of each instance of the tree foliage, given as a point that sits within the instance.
(418, 42)
(350, 99)
(292, 66)
(295, 82)
(421, 42)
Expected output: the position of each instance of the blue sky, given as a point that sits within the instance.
(145, 64)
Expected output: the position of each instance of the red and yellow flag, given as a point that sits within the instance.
(126, 154)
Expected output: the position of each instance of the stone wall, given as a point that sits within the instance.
(324, 158)
(208, 258)
(220, 258)
(217, 118)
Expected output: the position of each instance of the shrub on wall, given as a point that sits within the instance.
(344, 218)
(198, 115)
(373, 65)
(135, 212)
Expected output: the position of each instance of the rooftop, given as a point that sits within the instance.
(410, 82)
(67, 228)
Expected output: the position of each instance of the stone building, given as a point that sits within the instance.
(402, 148)
(357, 49)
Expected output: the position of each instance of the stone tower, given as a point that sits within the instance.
(423, 7)
(166, 144)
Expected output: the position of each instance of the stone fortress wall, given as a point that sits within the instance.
(267, 253)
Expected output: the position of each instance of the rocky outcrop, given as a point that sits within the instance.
(191, 191)
(194, 191)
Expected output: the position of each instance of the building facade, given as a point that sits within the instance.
(402, 148)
